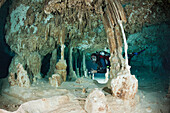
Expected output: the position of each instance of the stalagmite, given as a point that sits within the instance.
(55, 80)
(22, 77)
(61, 69)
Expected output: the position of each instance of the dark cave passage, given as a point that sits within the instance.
(5, 53)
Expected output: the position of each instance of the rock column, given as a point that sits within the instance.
(123, 84)
(84, 64)
(72, 74)
(60, 71)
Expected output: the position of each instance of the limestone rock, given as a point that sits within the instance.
(56, 104)
(12, 80)
(22, 77)
(61, 69)
(55, 80)
(61, 65)
(63, 74)
(96, 102)
(15, 61)
(124, 86)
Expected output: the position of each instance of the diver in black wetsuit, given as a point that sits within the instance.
(102, 59)
(130, 56)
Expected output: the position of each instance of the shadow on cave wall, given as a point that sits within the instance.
(5, 54)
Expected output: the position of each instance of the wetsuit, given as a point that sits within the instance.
(130, 56)
(102, 61)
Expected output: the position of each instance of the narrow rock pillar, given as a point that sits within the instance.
(72, 74)
(84, 65)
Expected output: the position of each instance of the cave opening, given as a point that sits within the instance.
(45, 65)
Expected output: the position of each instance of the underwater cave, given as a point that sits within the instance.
(84, 56)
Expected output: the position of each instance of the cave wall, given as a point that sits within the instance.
(155, 40)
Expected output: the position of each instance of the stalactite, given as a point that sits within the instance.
(47, 32)
(2, 2)
(120, 10)
(112, 16)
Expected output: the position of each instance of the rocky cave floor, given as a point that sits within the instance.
(151, 96)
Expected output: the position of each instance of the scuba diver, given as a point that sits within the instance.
(130, 56)
(102, 59)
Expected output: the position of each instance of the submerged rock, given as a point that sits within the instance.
(55, 104)
(55, 80)
(96, 102)
(124, 86)
(22, 77)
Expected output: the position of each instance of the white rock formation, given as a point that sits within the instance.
(56, 104)
(55, 80)
(22, 77)
(124, 86)
(96, 102)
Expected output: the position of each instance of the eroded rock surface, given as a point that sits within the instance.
(21, 78)
(56, 104)
(124, 86)
(96, 102)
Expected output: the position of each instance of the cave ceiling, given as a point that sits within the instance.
(81, 20)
